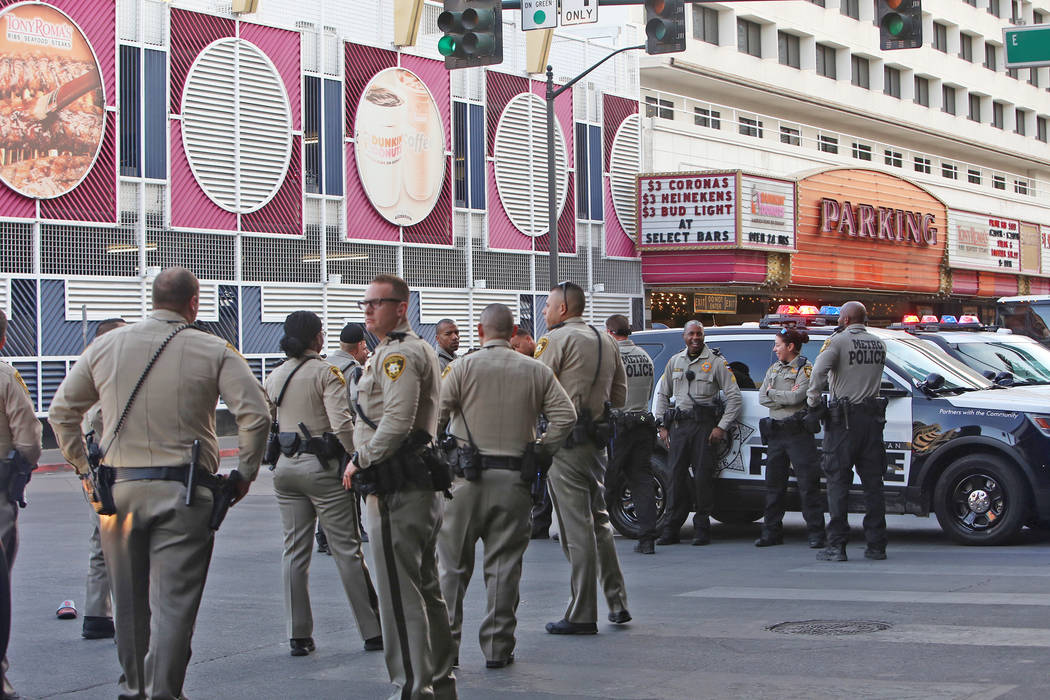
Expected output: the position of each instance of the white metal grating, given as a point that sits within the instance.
(5, 296)
(279, 301)
(603, 306)
(105, 298)
(625, 164)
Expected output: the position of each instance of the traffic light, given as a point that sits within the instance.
(900, 24)
(664, 26)
(473, 33)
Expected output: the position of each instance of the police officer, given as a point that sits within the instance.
(157, 548)
(307, 391)
(19, 430)
(490, 496)
(447, 334)
(98, 604)
(788, 442)
(587, 363)
(634, 430)
(522, 342)
(851, 364)
(397, 397)
(694, 428)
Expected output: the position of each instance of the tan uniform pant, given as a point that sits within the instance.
(157, 551)
(494, 509)
(576, 483)
(307, 492)
(9, 540)
(403, 529)
(97, 599)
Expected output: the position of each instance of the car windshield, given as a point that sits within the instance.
(1028, 362)
(919, 359)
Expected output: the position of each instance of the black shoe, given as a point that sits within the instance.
(97, 627)
(875, 553)
(565, 627)
(645, 547)
(832, 553)
(701, 538)
(455, 662)
(364, 536)
(767, 540)
(668, 538)
(322, 548)
(499, 663)
(619, 617)
(818, 542)
(374, 643)
(301, 646)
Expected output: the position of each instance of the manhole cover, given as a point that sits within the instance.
(832, 628)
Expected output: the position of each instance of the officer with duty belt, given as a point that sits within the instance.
(634, 430)
(851, 363)
(397, 411)
(315, 434)
(789, 443)
(160, 380)
(494, 398)
(588, 365)
(693, 427)
(20, 433)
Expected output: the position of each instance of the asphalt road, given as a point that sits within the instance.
(951, 622)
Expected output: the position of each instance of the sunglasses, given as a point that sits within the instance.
(374, 303)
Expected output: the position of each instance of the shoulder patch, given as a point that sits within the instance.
(826, 343)
(22, 383)
(338, 373)
(393, 366)
(716, 351)
(808, 369)
(229, 346)
(448, 368)
(541, 346)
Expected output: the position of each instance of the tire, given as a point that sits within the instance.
(975, 486)
(621, 507)
(736, 517)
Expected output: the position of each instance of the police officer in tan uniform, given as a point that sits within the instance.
(693, 428)
(587, 363)
(494, 398)
(19, 430)
(157, 547)
(308, 480)
(396, 398)
(98, 603)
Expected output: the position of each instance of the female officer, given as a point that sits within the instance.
(784, 392)
(307, 392)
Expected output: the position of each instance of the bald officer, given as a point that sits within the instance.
(157, 548)
(397, 402)
(694, 428)
(494, 398)
(851, 363)
(19, 430)
(587, 363)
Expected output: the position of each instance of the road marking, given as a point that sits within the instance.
(860, 596)
(996, 570)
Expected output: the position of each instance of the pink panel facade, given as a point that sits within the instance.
(190, 33)
(282, 47)
(283, 213)
(363, 222)
(190, 207)
(614, 110)
(704, 267)
(94, 199)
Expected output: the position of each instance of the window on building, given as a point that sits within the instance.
(891, 81)
(1020, 126)
(1021, 186)
(826, 61)
(751, 127)
(999, 182)
(993, 8)
(818, 2)
(1014, 73)
(971, 3)
(973, 176)
(143, 118)
(788, 49)
(828, 144)
(974, 113)
(1040, 129)
(704, 116)
(950, 171)
(791, 136)
(990, 57)
(922, 165)
(861, 151)
(859, 66)
(1033, 77)
(922, 91)
(588, 145)
(850, 8)
(894, 158)
(940, 37)
(468, 155)
(998, 112)
(965, 47)
(948, 99)
(1038, 17)
(655, 107)
(749, 37)
(1015, 12)
(705, 24)
(322, 135)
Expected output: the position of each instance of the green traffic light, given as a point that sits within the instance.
(656, 29)
(894, 24)
(447, 46)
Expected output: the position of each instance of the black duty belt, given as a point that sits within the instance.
(508, 463)
(201, 478)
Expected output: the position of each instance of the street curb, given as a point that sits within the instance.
(46, 468)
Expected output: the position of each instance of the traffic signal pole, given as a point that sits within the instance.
(552, 169)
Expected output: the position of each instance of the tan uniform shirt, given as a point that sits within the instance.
(851, 362)
(343, 360)
(316, 397)
(571, 349)
(93, 422)
(174, 407)
(711, 374)
(444, 358)
(784, 388)
(399, 392)
(638, 367)
(500, 394)
(19, 427)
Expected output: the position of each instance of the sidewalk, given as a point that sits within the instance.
(53, 461)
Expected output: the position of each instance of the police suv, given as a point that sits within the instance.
(975, 453)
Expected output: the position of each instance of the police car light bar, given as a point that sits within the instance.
(968, 318)
(928, 318)
(808, 310)
(787, 310)
(829, 311)
(949, 318)
(912, 318)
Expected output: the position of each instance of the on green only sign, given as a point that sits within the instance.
(539, 14)
(1027, 47)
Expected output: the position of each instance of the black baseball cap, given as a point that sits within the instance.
(351, 334)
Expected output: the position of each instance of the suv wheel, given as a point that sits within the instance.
(620, 504)
(980, 499)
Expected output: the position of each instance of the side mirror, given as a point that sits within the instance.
(890, 391)
(989, 374)
(1003, 379)
(932, 383)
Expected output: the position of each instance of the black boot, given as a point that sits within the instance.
(832, 552)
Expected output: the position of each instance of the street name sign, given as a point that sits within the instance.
(1027, 47)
